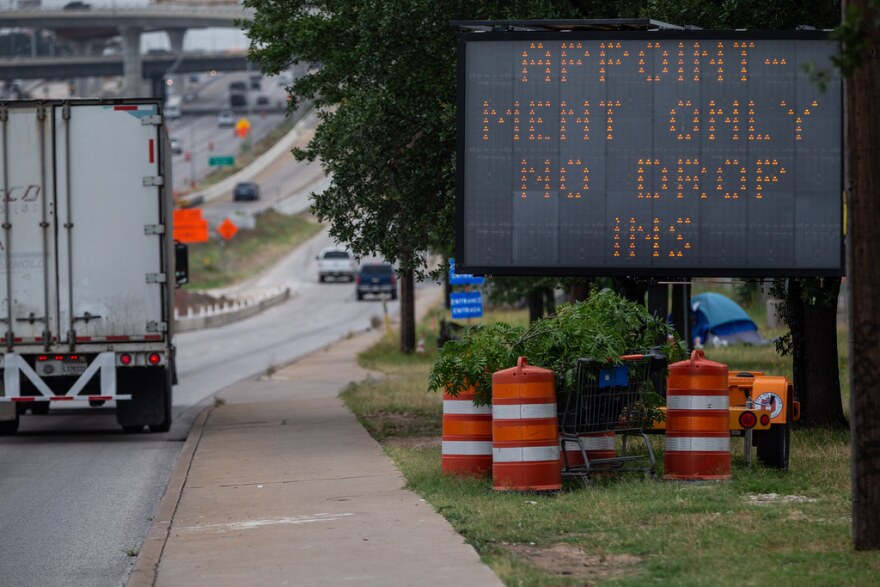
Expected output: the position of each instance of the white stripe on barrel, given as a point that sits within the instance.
(698, 402)
(523, 411)
(464, 406)
(525, 454)
(697, 443)
(466, 447)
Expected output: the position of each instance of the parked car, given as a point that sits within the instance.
(225, 119)
(246, 190)
(336, 262)
(176, 146)
(376, 279)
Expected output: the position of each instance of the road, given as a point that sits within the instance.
(200, 135)
(78, 494)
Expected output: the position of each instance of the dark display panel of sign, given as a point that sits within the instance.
(665, 153)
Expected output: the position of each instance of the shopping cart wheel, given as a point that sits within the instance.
(773, 446)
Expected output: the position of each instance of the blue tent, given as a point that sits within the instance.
(718, 319)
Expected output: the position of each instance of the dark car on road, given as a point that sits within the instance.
(376, 279)
(246, 190)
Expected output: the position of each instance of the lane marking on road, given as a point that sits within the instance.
(251, 524)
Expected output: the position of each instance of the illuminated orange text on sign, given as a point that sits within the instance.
(691, 155)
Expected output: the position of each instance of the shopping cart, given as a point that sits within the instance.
(609, 404)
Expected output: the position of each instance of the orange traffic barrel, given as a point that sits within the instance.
(697, 421)
(466, 442)
(525, 433)
(597, 445)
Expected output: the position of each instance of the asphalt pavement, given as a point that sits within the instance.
(278, 484)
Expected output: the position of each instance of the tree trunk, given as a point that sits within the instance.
(819, 394)
(536, 304)
(863, 188)
(550, 300)
(632, 289)
(407, 312)
(580, 290)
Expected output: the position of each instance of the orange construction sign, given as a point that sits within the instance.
(189, 226)
(227, 229)
(242, 127)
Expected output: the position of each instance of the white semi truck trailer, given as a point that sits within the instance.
(87, 260)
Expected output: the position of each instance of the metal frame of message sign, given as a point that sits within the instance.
(680, 207)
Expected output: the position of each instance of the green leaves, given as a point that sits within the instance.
(604, 327)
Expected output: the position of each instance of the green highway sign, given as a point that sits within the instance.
(226, 160)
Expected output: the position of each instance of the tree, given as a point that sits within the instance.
(860, 33)
(386, 89)
(810, 310)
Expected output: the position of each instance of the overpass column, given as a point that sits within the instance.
(83, 86)
(132, 66)
(175, 37)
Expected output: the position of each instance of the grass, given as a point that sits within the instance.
(219, 263)
(764, 527)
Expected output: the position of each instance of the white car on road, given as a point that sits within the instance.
(336, 262)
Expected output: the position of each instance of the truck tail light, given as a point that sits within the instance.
(765, 419)
(393, 279)
(154, 358)
(748, 420)
(125, 359)
(357, 278)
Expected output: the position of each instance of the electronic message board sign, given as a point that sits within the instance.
(664, 153)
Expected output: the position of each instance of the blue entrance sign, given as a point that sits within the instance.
(462, 278)
(466, 304)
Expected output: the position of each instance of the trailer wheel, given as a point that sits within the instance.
(774, 446)
(39, 408)
(9, 427)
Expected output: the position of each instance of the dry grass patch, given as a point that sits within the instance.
(572, 561)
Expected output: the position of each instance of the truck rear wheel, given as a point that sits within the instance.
(9, 427)
(39, 408)
(9, 418)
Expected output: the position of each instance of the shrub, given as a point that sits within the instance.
(604, 327)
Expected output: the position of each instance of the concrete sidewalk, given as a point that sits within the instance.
(281, 486)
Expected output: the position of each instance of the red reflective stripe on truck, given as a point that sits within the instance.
(117, 338)
(125, 108)
(152, 154)
(153, 337)
(59, 398)
(95, 398)
(22, 399)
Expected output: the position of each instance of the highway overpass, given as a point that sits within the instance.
(87, 29)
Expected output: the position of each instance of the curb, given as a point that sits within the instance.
(146, 565)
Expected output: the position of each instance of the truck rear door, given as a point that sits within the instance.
(27, 238)
(109, 209)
